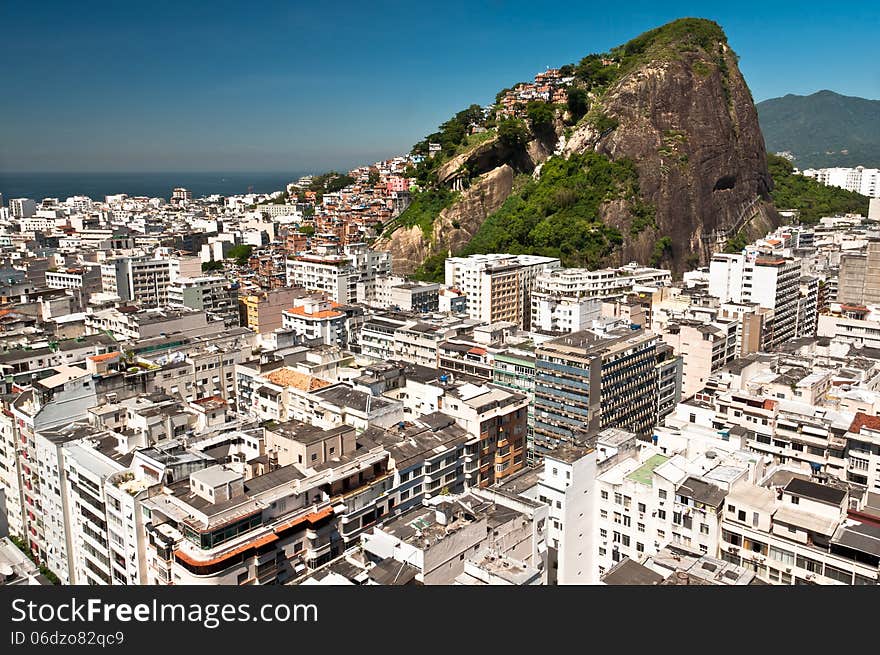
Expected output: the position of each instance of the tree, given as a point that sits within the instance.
(541, 115)
(241, 254)
(212, 266)
(513, 133)
(308, 230)
(578, 103)
(373, 178)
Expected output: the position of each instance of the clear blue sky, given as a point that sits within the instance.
(270, 86)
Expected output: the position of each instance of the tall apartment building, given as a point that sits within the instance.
(22, 207)
(140, 280)
(859, 278)
(498, 287)
(497, 417)
(703, 347)
(216, 295)
(588, 381)
(337, 274)
(516, 370)
(770, 281)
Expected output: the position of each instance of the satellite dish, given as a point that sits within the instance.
(6, 569)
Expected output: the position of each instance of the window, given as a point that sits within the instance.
(604, 494)
(640, 547)
(838, 574)
(626, 540)
(795, 500)
(642, 507)
(811, 565)
(662, 493)
(641, 527)
(603, 513)
(618, 499)
(784, 556)
(661, 534)
(661, 514)
(603, 533)
(627, 521)
(741, 515)
(558, 505)
(731, 508)
(755, 517)
(704, 549)
(602, 552)
(616, 537)
(617, 517)
(704, 529)
(731, 537)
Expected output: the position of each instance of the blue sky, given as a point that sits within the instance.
(271, 86)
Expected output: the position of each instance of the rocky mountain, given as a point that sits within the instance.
(823, 129)
(657, 157)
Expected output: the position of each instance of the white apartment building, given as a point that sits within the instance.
(140, 280)
(858, 325)
(498, 286)
(78, 204)
(601, 283)
(338, 274)
(566, 486)
(770, 281)
(327, 273)
(865, 181)
(792, 530)
(316, 319)
(552, 313)
(22, 207)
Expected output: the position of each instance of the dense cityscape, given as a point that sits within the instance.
(240, 390)
(619, 326)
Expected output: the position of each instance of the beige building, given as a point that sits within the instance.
(261, 312)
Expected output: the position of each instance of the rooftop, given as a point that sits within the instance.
(644, 474)
(814, 491)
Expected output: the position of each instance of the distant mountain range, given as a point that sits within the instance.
(823, 129)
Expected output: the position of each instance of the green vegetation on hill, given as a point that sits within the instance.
(452, 133)
(823, 129)
(424, 208)
(558, 214)
(664, 42)
(811, 199)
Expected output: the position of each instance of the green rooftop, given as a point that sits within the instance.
(644, 473)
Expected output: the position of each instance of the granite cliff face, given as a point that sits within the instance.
(675, 106)
(690, 126)
(490, 180)
(454, 226)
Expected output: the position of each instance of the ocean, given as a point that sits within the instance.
(155, 185)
